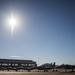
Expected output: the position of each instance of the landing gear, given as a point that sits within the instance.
(72, 70)
(53, 70)
(16, 70)
(28, 70)
(56, 70)
(45, 70)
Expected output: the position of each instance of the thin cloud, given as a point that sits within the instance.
(14, 56)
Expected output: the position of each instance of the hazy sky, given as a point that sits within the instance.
(45, 30)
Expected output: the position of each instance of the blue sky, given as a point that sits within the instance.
(46, 30)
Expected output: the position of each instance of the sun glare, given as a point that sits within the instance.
(12, 23)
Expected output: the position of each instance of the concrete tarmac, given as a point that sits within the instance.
(36, 73)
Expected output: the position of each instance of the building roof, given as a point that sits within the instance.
(16, 61)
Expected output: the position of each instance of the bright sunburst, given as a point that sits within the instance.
(12, 22)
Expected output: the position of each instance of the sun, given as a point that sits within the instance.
(12, 23)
